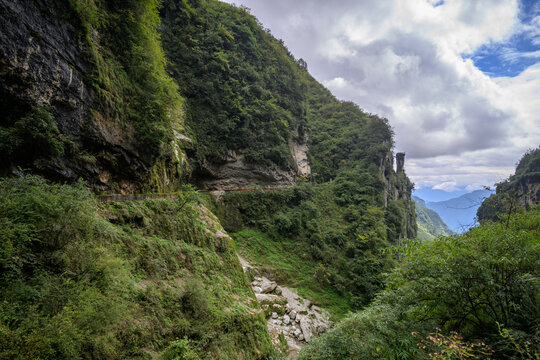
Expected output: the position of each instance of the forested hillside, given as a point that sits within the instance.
(249, 102)
(132, 97)
(430, 224)
(473, 295)
(520, 191)
(149, 280)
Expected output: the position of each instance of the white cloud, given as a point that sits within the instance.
(403, 59)
(447, 186)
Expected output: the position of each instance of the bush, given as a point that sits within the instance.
(466, 285)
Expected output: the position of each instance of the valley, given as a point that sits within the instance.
(176, 185)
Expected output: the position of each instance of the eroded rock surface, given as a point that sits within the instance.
(42, 63)
(236, 173)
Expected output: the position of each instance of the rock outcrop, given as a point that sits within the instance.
(43, 63)
(299, 151)
(398, 187)
(234, 172)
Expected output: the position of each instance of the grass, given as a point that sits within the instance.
(145, 279)
(284, 258)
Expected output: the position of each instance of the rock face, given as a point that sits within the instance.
(299, 150)
(235, 173)
(399, 187)
(43, 64)
(289, 316)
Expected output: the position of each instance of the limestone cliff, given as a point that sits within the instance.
(46, 62)
(397, 191)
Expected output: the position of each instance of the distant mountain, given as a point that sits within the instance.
(430, 224)
(428, 194)
(460, 212)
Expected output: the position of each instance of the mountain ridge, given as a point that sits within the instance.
(460, 212)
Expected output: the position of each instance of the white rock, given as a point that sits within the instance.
(267, 286)
(300, 337)
(305, 325)
(297, 332)
(274, 315)
(292, 314)
(286, 319)
(257, 290)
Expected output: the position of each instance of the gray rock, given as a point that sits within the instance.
(293, 314)
(286, 319)
(270, 298)
(267, 286)
(305, 325)
(321, 328)
(274, 315)
(257, 290)
(43, 63)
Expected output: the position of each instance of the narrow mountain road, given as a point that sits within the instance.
(110, 198)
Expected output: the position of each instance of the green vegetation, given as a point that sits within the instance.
(317, 241)
(519, 192)
(448, 293)
(244, 89)
(292, 267)
(245, 92)
(430, 224)
(129, 75)
(33, 137)
(127, 280)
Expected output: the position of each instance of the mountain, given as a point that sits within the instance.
(460, 212)
(137, 102)
(430, 224)
(433, 195)
(520, 191)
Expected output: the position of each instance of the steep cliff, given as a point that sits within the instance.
(430, 225)
(84, 95)
(520, 191)
(88, 93)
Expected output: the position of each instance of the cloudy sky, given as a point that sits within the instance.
(459, 80)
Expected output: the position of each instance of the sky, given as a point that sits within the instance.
(458, 80)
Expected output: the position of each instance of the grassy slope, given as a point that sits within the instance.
(127, 280)
(291, 266)
(430, 224)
